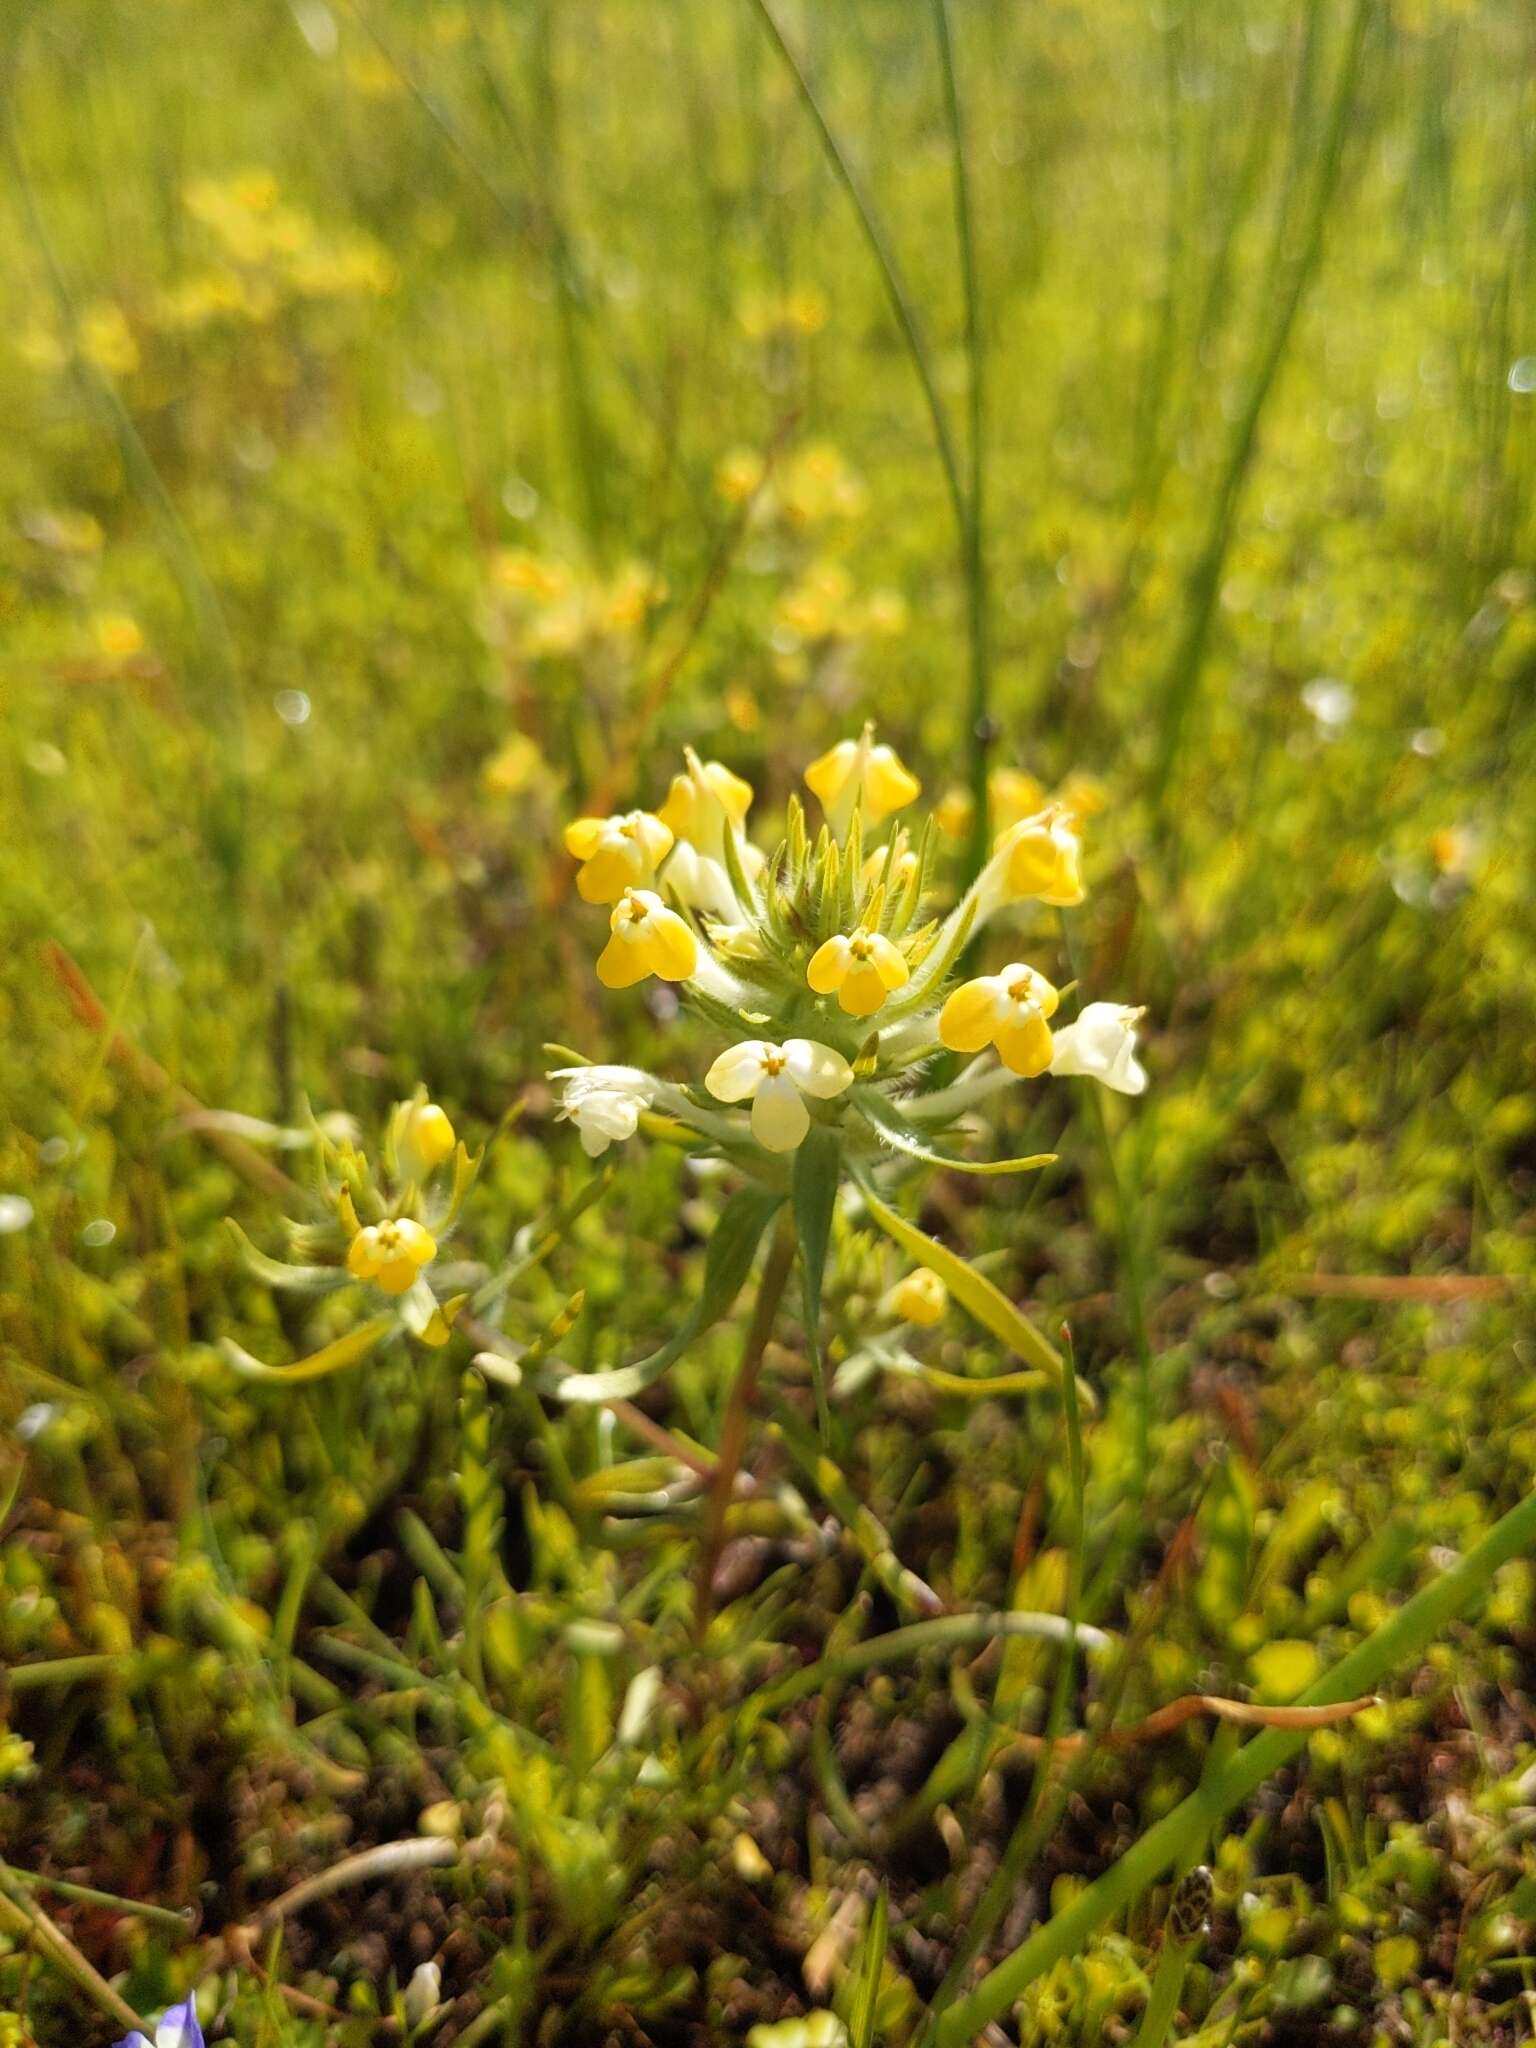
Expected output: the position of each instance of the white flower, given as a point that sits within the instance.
(604, 1103)
(774, 1079)
(701, 882)
(423, 1993)
(1102, 1045)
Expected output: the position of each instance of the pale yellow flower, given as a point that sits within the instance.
(117, 635)
(775, 1079)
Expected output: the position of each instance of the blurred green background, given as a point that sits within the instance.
(415, 419)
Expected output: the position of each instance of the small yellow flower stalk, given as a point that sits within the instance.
(825, 967)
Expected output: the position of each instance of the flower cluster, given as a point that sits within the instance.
(261, 256)
(380, 1226)
(823, 963)
(550, 609)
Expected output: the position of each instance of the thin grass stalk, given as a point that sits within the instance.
(891, 277)
(225, 817)
(1048, 1794)
(980, 733)
(1204, 579)
(1179, 1836)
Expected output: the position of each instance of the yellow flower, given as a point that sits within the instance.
(429, 1134)
(1082, 794)
(1041, 857)
(1014, 795)
(919, 1297)
(647, 939)
(805, 309)
(516, 766)
(817, 484)
(696, 800)
(952, 813)
(616, 853)
(739, 474)
(861, 971)
(1008, 1010)
(885, 614)
(547, 582)
(107, 340)
(118, 636)
(820, 604)
(903, 864)
(859, 771)
(391, 1254)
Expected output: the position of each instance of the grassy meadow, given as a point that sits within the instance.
(420, 423)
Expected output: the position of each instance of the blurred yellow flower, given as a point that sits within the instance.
(429, 1135)
(738, 474)
(107, 340)
(516, 766)
(117, 636)
(918, 1297)
(816, 484)
(820, 604)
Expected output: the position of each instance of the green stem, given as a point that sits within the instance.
(1400, 1639)
(87, 1895)
(1048, 1794)
(1163, 2005)
(29, 1920)
(733, 1432)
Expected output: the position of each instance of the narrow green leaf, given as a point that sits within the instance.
(893, 1127)
(336, 1357)
(866, 1999)
(813, 1185)
(813, 1191)
(278, 1273)
(726, 1265)
(974, 1292)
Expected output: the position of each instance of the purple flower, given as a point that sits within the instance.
(176, 2028)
